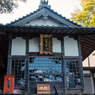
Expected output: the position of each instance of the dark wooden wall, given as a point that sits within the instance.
(58, 85)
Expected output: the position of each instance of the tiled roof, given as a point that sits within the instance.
(49, 10)
(47, 27)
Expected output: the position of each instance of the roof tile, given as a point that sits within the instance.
(48, 9)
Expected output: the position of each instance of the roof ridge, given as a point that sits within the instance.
(23, 16)
(12, 22)
(63, 17)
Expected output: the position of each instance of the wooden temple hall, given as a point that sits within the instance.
(42, 53)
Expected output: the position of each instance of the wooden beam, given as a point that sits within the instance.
(47, 31)
(18, 57)
(69, 32)
(92, 37)
(86, 47)
(80, 62)
(63, 32)
(89, 35)
(90, 40)
(50, 32)
(85, 42)
(9, 54)
(83, 50)
(89, 53)
(64, 76)
(73, 32)
(57, 32)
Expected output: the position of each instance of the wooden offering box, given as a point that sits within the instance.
(43, 89)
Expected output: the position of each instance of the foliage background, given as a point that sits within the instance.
(7, 6)
(86, 17)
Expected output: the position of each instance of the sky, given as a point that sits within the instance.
(63, 7)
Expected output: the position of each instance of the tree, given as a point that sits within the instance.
(7, 6)
(86, 17)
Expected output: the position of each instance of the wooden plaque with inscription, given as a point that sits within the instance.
(43, 89)
(45, 44)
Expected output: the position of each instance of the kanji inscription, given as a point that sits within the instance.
(45, 44)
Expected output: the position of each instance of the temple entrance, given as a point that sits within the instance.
(34, 70)
(38, 70)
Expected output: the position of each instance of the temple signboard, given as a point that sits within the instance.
(43, 89)
(45, 44)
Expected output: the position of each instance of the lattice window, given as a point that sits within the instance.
(45, 69)
(73, 74)
(18, 70)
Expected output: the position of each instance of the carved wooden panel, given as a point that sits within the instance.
(45, 44)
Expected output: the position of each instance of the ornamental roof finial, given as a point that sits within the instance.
(44, 3)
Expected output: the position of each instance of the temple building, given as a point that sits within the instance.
(44, 52)
(89, 73)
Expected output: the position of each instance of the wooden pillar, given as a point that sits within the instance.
(63, 67)
(28, 77)
(80, 62)
(9, 55)
(27, 64)
(27, 46)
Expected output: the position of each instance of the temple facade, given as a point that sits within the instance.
(45, 51)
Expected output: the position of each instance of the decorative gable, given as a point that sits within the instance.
(41, 21)
(44, 16)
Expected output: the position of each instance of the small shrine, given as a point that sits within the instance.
(45, 50)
